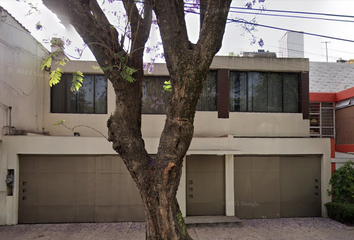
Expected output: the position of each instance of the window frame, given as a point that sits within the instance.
(249, 100)
(204, 95)
(318, 130)
(66, 80)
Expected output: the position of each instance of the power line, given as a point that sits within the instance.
(196, 6)
(292, 16)
(296, 50)
(297, 12)
(290, 30)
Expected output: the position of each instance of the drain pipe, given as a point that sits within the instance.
(10, 127)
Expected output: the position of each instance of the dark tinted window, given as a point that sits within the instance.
(91, 97)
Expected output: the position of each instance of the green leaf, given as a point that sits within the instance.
(63, 61)
(130, 71)
(59, 123)
(107, 68)
(96, 67)
(55, 76)
(167, 86)
(127, 77)
(78, 78)
(47, 62)
(342, 182)
(127, 73)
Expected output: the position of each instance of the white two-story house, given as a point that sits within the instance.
(251, 155)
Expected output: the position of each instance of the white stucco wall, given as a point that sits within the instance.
(21, 78)
(13, 146)
(21, 87)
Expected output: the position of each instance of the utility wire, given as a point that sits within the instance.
(280, 11)
(287, 30)
(295, 50)
(297, 12)
(191, 6)
(292, 16)
(196, 6)
(290, 30)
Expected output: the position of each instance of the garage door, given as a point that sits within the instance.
(205, 185)
(277, 186)
(77, 189)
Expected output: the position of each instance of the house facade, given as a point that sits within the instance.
(331, 107)
(251, 156)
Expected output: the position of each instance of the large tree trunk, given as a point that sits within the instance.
(187, 63)
(162, 214)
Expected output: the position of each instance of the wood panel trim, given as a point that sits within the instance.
(223, 95)
(304, 95)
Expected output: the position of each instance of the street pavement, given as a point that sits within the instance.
(256, 229)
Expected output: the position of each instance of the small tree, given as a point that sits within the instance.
(343, 184)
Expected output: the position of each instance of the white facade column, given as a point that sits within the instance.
(181, 192)
(229, 185)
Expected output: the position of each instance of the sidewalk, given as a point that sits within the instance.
(257, 229)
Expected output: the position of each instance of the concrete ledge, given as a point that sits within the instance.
(210, 220)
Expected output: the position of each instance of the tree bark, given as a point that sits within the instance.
(188, 65)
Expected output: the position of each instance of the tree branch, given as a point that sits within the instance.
(213, 27)
(140, 27)
(203, 6)
(170, 17)
(91, 23)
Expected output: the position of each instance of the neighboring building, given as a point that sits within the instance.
(21, 97)
(251, 155)
(332, 107)
(21, 79)
(291, 45)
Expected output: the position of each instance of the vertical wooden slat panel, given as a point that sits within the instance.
(223, 100)
(304, 95)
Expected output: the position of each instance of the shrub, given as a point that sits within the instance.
(343, 184)
(341, 212)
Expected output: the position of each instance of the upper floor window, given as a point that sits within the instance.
(207, 100)
(155, 98)
(91, 97)
(264, 92)
(322, 119)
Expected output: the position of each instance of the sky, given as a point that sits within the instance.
(236, 40)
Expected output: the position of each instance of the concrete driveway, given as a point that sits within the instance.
(258, 229)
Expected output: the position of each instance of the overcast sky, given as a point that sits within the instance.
(233, 39)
